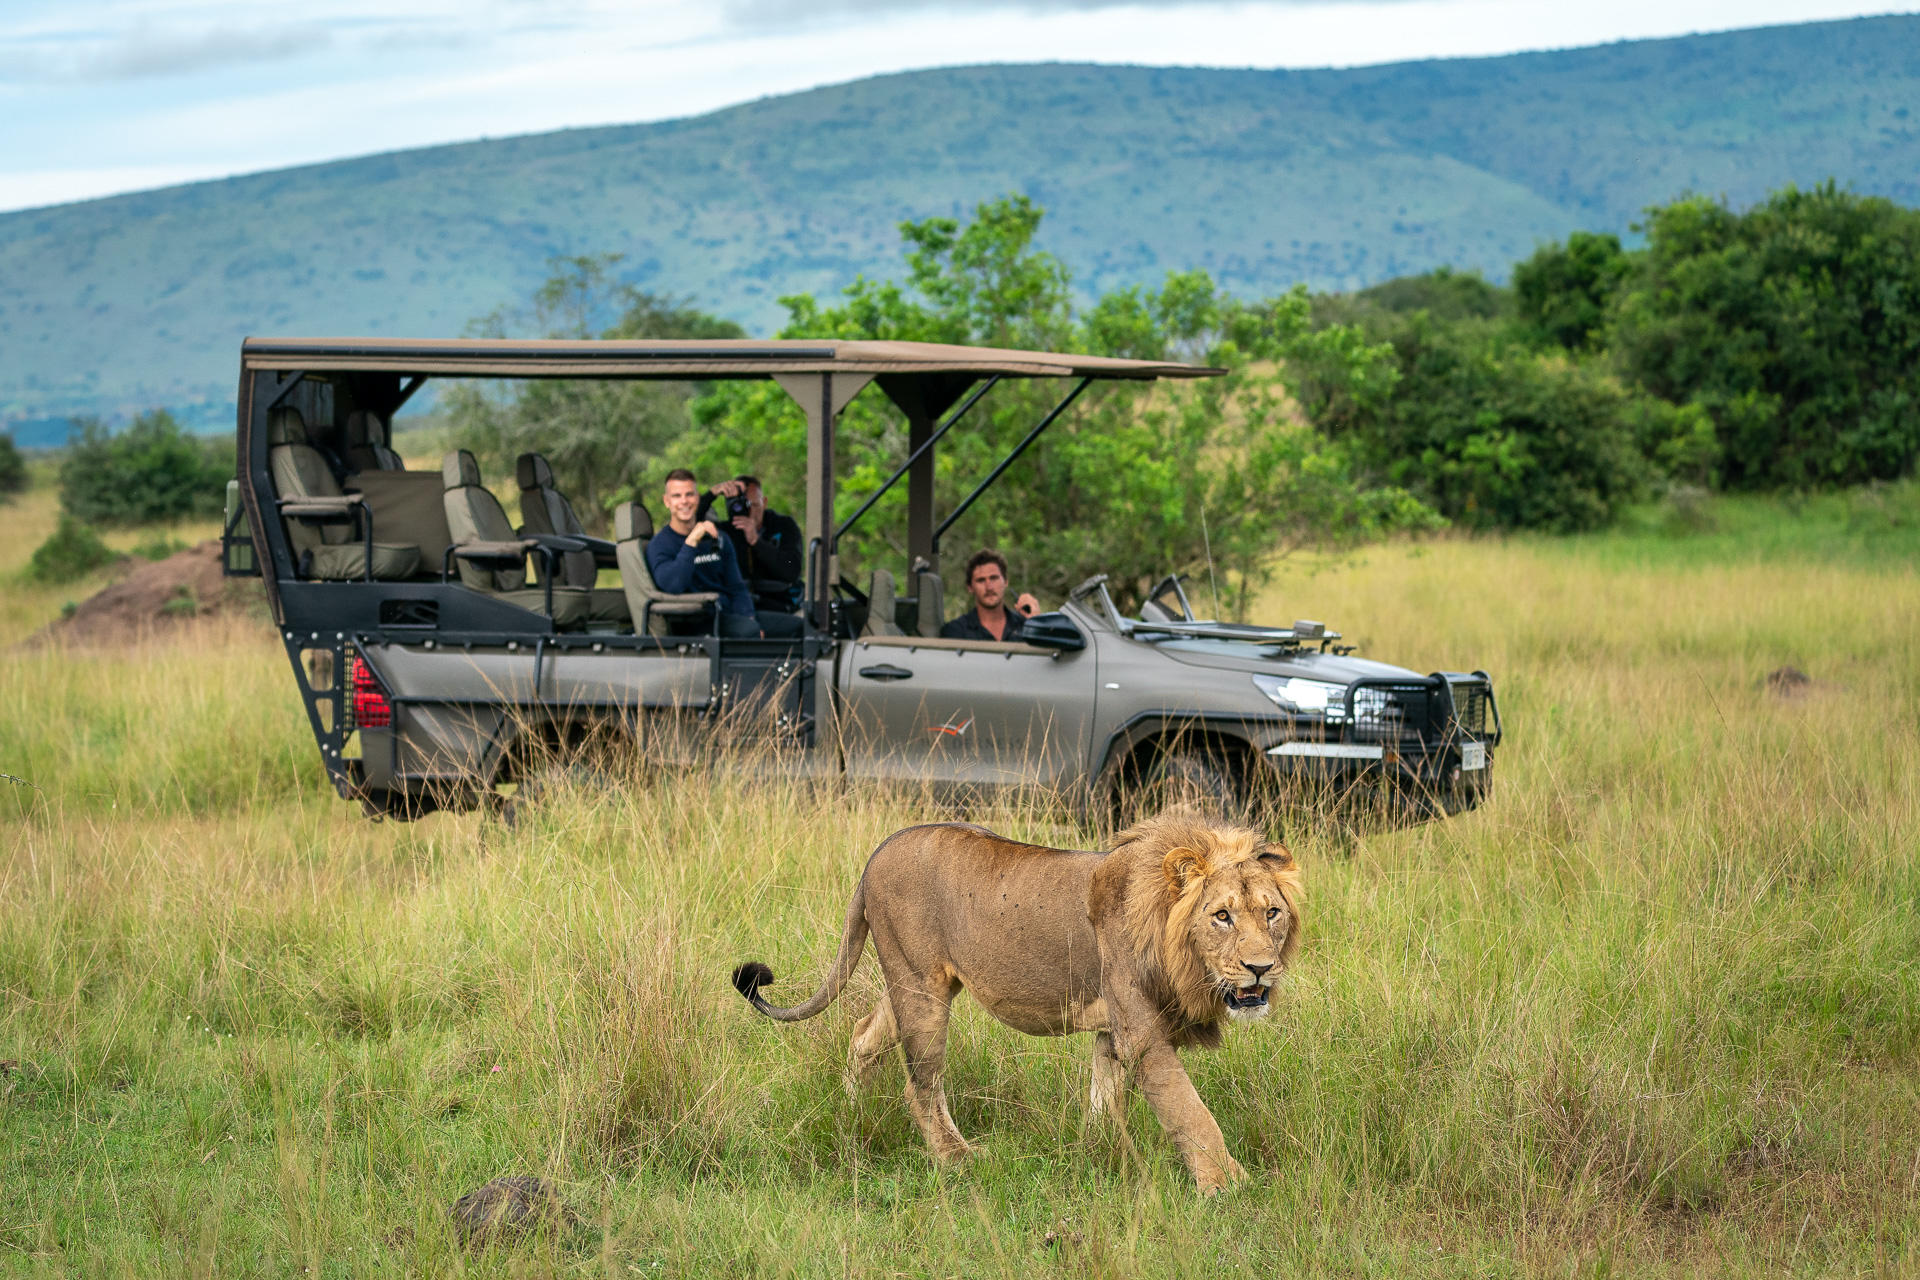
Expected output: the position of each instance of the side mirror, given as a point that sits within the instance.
(1052, 631)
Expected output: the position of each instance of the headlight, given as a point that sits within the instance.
(1296, 694)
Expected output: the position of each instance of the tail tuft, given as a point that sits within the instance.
(750, 977)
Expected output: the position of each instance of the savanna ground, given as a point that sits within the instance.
(1655, 1010)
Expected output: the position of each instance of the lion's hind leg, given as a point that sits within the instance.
(921, 1017)
(874, 1037)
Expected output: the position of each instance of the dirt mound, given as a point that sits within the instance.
(159, 597)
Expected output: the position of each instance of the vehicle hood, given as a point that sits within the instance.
(1308, 664)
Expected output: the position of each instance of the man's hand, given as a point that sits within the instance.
(704, 529)
(746, 525)
(1027, 604)
(729, 489)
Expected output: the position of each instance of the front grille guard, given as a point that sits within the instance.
(1433, 715)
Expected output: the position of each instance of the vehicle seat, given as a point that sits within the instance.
(544, 509)
(479, 524)
(330, 539)
(650, 606)
(932, 604)
(880, 602)
(368, 444)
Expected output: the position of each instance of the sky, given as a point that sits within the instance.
(104, 96)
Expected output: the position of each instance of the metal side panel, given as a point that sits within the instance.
(571, 678)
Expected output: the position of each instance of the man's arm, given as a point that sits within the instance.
(734, 596)
(671, 559)
(779, 553)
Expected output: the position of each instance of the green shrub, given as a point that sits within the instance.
(158, 547)
(150, 472)
(1563, 291)
(13, 468)
(1794, 325)
(70, 553)
(1497, 435)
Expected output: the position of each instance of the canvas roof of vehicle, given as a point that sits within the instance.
(688, 358)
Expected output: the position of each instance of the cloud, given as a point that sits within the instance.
(134, 43)
(783, 13)
(147, 52)
(162, 54)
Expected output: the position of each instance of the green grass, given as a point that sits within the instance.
(1654, 1011)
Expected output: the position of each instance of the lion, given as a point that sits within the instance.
(1153, 947)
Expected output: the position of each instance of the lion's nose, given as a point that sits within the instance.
(1258, 970)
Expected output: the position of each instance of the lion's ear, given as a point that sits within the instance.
(1183, 867)
(1279, 855)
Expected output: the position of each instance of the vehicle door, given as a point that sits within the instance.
(972, 715)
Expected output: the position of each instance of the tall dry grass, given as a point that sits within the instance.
(1655, 1010)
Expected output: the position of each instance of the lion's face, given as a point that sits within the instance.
(1239, 922)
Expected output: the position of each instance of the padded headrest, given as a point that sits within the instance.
(632, 520)
(533, 472)
(458, 469)
(285, 425)
(365, 428)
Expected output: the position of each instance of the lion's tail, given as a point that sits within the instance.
(753, 975)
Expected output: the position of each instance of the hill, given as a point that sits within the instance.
(1339, 178)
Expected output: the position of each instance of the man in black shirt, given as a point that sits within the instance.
(691, 554)
(990, 619)
(766, 544)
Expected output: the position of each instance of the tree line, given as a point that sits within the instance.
(1771, 348)
(1776, 347)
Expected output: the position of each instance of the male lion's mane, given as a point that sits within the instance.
(1160, 866)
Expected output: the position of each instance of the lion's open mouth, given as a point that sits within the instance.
(1245, 999)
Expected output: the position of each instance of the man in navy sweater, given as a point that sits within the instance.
(691, 555)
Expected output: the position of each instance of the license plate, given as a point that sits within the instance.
(1473, 755)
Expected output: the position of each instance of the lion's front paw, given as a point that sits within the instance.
(956, 1152)
(1215, 1177)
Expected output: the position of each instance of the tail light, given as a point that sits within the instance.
(371, 710)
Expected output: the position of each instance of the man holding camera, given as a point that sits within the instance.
(690, 554)
(766, 544)
(990, 619)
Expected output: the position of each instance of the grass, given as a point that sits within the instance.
(1654, 1011)
(27, 605)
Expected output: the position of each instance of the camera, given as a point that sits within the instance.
(738, 506)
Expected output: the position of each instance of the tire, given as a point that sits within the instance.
(1181, 775)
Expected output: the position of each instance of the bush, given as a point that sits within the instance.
(152, 471)
(1795, 326)
(1496, 435)
(13, 468)
(1563, 291)
(70, 553)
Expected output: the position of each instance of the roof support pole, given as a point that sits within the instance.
(1008, 461)
(919, 489)
(920, 441)
(821, 396)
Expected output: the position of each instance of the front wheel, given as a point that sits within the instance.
(1180, 776)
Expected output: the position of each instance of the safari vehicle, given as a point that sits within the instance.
(441, 648)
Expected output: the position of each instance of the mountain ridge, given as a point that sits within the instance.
(1339, 178)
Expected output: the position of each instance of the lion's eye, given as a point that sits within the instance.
(1273, 913)
(1224, 917)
